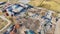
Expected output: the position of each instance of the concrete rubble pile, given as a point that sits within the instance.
(27, 19)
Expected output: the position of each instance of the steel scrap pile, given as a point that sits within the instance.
(27, 19)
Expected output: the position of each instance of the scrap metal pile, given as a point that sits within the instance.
(27, 19)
